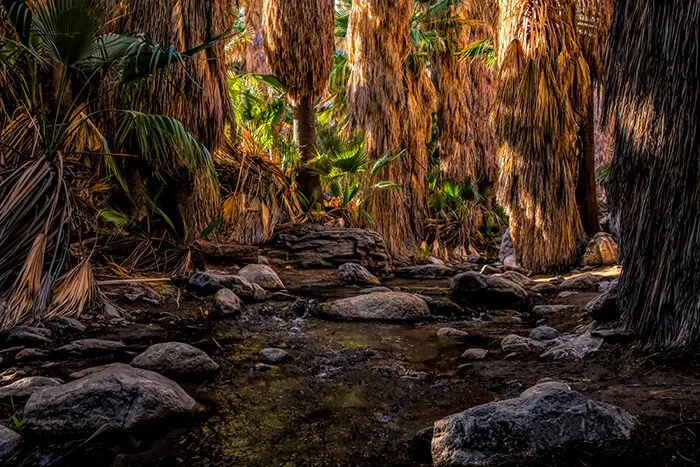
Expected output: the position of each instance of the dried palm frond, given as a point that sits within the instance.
(379, 47)
(652, 76)
(73, 292)
(542, 94)
(27, 294)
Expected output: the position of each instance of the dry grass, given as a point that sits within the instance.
(542, 94)
(653, 89)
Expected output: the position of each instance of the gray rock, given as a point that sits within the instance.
(510, 263)
(471, 355)
(572, 346)
(175, 359)
(118, 398)
(545, 310)
(603, 286)
(227, 303)
(351, 273)
(91, 347)
(614, 336)
(311, 247)
(205, 282)
(534, 424)
(110, 311)
(545, 386)
(10, 445)
(31, 355)
(519, 345)
(489, 270)
(92, 370)
(376, 290)
(67, 325)
(442, 307)
(434, 260)
(544, 288)
(567, 294)
(275, 356)
(557, 280)
(25, 387)
(143, 293)
(451, 333)
(26, 336)
(544, 333)
(507, 248)
(521, 279)
(604, 307)
(601, 251)
(387, 306)
(262, 367)
(425, 271)
(477, 290)
(583, 283)
(262, 275)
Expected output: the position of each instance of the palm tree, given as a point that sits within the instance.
(378, 105)
(542, 93)
(300, 43)
(196, 94)
(255, 59)
(653, 89)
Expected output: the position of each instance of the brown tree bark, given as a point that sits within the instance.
(586, 190)
(305, 138)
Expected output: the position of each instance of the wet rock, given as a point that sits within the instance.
(282, 297)
(25, 387)
(351, 273)
(472, 355)
(143, 293)
(601, 251)
(583, 283)
(227, 303)
(275, 356)
(205, 282)
(387, 306)
(451, 333)
(10, 445)
(441, 307)
(311, 247)
(573, 346)
(91, 347)
(507, 249)
(425, 271)
(614, 336)
(262, 275)
(521, 279)
(544, 288)
(67, 325)
(481, 291)
(514, 344)
(604, 307)
(375, 290)
(31, 355)
(175, 359)
(544, 333)
(546, 310)
(489, 270)
(25, 336)
(532, 425)
(118, 398)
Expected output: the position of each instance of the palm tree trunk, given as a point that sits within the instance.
(305, 138)
(586, 193)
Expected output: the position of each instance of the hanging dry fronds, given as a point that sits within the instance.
(27, 289)
(543, 90)
(467, 90)
(652, 78)
(378, 48)
(74, 292)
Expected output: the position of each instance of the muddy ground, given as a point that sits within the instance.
(356, 393)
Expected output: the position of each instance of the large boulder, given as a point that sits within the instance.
(521, 279)
(352, 273)
(604, 307)
(472, 289)
(175, 359)
(582, 283)
(118, 398)
(601, 251)
(543, 419)
(328, 247)
(207, 282)
(25, 387)
(10, 444)
(380, 306)
(26, 336)
(262, 275)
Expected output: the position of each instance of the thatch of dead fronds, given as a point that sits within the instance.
(593, 18)
(467, 91)
(378, 47)
(255, 58)
(652, 77)
(195, 93)
(257, 197)
(543, 88)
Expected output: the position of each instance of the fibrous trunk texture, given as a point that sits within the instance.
(378, 105)
(653, 88)
(543, 89)
(305, 138)
(466, 90)
(255, 59)
(586, 189)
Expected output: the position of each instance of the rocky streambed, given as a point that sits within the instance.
(338, 369)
